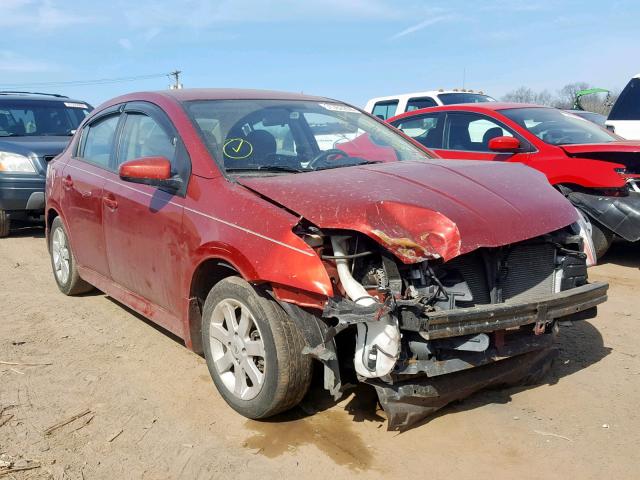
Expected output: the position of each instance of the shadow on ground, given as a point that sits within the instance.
(624, 254)
(27, 231)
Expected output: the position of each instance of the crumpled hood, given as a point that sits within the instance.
(586, 148)
(423, 209)
(616, 154)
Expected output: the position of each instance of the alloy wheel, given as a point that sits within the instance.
(237, 348)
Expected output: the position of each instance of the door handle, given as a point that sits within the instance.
(67, 183)
(110, 203)
(86, 194)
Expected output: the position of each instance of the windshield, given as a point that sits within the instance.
(557, 127)
(295, 135)
(33, 118)
(456, 98)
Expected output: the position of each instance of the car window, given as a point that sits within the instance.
(142, 136)
(329, 131)
(455, 98)
(426, 129)
(472, 132)
(285, 144)
(418, 103)
(557, 127)
(31, 118)
(384, 110)
(98, 140)
(260, 137)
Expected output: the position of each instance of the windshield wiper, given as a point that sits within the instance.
(267, 168)
(340, 165)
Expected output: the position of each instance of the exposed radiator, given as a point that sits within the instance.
(529, 272)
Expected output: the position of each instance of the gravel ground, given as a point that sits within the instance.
(147, 408)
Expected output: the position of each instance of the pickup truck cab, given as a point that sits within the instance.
(387, 107)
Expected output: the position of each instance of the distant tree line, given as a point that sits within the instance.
(564, 98)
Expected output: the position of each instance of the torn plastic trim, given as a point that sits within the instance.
(621, 215)
(406, 403)
(320, 344)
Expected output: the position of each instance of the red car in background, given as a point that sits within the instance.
(597, 171)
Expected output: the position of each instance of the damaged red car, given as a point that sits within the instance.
(596, 170)
(269, 230)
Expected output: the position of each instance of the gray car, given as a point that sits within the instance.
(34, 128)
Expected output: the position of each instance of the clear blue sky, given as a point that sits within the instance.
(347, 49)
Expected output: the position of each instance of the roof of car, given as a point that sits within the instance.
(471, 107)
(188, 94)
(15, 95)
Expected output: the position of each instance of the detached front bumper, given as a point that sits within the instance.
(575, 304)
(515, 355)
(621, 215)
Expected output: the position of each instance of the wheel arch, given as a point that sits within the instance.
(206, 275)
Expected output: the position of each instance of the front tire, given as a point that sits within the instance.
(63, 261)
(602, 239)
(253, 350)
(5, 224)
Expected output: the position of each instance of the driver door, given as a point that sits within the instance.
(143, 223)
(467, 136)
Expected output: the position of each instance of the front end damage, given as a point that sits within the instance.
(425, 331)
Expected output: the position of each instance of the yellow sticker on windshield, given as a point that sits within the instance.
(237, 148)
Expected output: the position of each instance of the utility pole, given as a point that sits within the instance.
(176, 84)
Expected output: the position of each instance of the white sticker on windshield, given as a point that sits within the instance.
(336, 107)
(75, 105)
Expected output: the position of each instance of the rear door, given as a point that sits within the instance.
(143, 223)
(83, 181)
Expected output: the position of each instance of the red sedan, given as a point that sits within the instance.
(597, 171)
(269, 229)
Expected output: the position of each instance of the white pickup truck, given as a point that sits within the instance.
(387, 107)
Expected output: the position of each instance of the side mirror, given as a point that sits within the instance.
(504, 144)
(146, 170)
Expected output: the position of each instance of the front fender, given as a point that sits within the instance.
(580, 171)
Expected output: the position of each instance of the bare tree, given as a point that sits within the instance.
(567, 94)
(527, 95)
(565, 98)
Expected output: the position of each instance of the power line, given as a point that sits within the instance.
(100, 81)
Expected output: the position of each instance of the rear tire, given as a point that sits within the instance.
(602, 239)
(5, 224)
(253, 350)
(65, 270)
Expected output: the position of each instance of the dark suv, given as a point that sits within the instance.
(34, 128)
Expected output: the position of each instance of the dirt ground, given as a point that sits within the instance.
(149, 409)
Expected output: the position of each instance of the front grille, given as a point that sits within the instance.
(528, 272)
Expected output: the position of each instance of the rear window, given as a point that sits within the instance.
(455, 98)
(627, 106)
(35, 118)
(384, 110)
(418, 103)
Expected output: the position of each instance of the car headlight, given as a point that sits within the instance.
(583, 227)
(15, 163)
